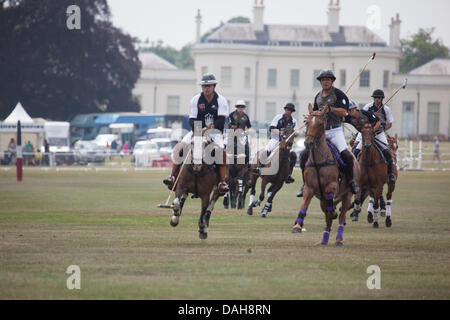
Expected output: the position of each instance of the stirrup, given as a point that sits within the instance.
(391, 178)
(289, 179)
(224, 188)
(354, 187)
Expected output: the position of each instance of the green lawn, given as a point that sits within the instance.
(108, 224)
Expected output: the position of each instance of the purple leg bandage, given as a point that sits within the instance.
(326, 235)
(301, 216)
(340, 232)
(329, 199)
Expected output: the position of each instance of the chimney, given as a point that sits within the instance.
(198, 22)
(258, 16)
(394, 32)
(333, 16)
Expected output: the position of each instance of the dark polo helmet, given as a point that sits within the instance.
(290, 106)
(326, 73)
(378, 94)
(208, 78)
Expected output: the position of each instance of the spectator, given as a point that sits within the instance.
(436, 149)
(113, 147)
(46, 153)
(38, 157)
(28, 153)
(125, 148)
(12, 151)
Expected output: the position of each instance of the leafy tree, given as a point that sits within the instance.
(57, 73)
(420, 49)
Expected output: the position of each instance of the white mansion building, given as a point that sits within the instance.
(268, 65)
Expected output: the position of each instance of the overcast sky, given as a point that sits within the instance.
(173, 21)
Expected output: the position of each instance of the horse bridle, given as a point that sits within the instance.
(316, 138)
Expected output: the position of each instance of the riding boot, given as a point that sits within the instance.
(292, 162)
(257, 170)
(303, 159)
(390, 163)
(170, 180)
(348, 159)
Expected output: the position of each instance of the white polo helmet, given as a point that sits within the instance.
(240, 103)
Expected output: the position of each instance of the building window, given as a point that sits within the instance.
(247, 77)
(271, 111)
(407, 119)
(433, 118)
(295, 78)
(364, 80)
(204, 70)
(385, 79)
(272, 78)
(342, 78)
(225, 76)
(316, 83)
(173, 104)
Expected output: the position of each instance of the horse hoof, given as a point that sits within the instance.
(388, 222)
(297, 230)
(202, 235)
(321, 244)
(174, 221)
(250, 211)
(370, 217)
(264, 215)
(173, 224)
(355, 218)
(338, 244)
(225, 207)
(375, 225)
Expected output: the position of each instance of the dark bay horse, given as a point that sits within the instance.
(323, 179)
(201, 180)
(277, 179)
(373, 163)
(237, 174)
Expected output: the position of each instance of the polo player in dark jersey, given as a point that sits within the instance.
(335, 102)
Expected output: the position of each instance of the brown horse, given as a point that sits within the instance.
(373, 177)
(385, 209)
(284, 156)
(201, 180)
(322, 179)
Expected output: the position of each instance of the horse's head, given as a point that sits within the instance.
(197, 167)
(393, 142)
(367, 135)
(286, 139)
(315, 126)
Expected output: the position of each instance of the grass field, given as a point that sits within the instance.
(107, 223)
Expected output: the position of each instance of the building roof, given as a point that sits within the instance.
(437, 66)
(295, 35)
(150, 60)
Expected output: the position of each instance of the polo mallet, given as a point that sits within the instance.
(372, 57)
(167, 205)
(404, 84)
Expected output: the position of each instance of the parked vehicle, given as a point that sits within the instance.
(85, 151)
(104, 139)
(57, 134)
(152, 153)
